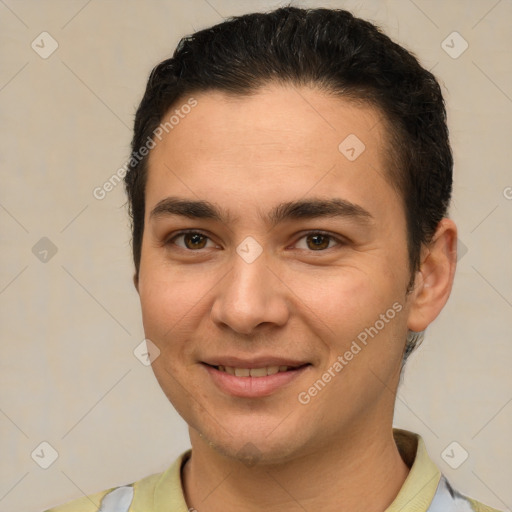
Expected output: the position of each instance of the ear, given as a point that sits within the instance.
(136, 281)
(434, 279)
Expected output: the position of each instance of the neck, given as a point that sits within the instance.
(363, 471)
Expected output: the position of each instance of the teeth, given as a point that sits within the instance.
(258, 372)
(253, 372)
(271, 370)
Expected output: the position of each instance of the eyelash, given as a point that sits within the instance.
(171, 240)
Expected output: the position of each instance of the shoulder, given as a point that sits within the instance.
(447, 499)
(426, 489)
(90, 503)
(140, 495)
(116, 499)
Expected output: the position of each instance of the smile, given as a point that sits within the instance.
(255, 382)
(254, 372)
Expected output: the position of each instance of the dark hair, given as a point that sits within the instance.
(333, 51)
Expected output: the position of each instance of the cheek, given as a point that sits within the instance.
(166, 292)
(164, 307)
(174, 303)
(352, 305)
(342, 298)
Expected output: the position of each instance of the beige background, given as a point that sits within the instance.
(69, 326)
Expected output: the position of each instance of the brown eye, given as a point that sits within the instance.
(191, 240)
(194, 240)
(318, 241)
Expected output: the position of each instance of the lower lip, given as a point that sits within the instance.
(252, 387)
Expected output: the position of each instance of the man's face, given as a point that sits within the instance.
(210, 298)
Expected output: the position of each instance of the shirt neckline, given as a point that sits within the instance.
(415, 495)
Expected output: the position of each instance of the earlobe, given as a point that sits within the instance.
(434, 280)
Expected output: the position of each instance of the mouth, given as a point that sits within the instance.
(255, 379)
(263, 371)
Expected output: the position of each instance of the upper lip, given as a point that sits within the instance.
(254, 362)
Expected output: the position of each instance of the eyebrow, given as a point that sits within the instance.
(302, 209)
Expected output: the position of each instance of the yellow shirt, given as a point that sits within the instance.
(424, 490)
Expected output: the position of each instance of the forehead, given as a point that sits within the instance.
(280, 116)
(280, 140)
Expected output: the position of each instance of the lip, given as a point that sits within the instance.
(254, 387)
(254, 362)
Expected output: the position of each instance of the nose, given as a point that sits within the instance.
(249, 297)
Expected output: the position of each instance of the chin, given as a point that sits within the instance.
(255, 447)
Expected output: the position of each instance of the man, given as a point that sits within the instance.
(289, 185)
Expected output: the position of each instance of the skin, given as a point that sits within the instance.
(246, 155)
